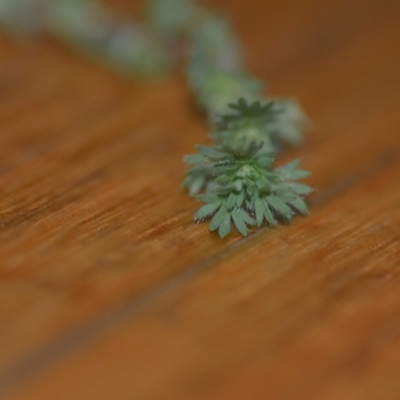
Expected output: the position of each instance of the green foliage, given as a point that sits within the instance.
(215, 74)
(251, 122)
(173, 18)
(215, 66)
(234, 177)
(90, 28)
(212, 39)
(242, 189)
(217, 89)
(247, 113)
(267, 121)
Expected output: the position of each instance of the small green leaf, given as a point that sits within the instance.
(285, 194)
(222, 179)
(268, 214)
(207, 210)
(194, 184)
(194, 159)
(299, 174)
(246, 217)
(300, 205)
(265, 161)
(238, 185)
(217, 219)
(197, 170)
(225, 226)
(290, 172)
(301, 188)
(292, 165)
(278, 205)
(239, 223)
(240, 199)
(186, 182)
(231, 201)
(264, 185)
(210, 152)
(208, 197)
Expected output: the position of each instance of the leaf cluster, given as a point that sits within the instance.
(216, 89)
(254, 113)
(250, 122)
(242, 188)
(235, 176)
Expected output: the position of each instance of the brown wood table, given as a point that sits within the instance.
(108, 290)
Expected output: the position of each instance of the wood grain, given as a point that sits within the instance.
(108, 290)
(312, 312)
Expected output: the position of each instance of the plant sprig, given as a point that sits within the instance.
(235, 176)
(242, 187)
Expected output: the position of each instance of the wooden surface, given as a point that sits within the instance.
(107, 288)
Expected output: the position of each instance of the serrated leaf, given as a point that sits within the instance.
(194, 185)
(208, 197)
(245, 111)
(299, 174)
(207, 210)
(278, 205)
(290, 171)
(231, 201)
(300, 205)
(285, 194)
(217, 219)
(259, 210)
(225, 165)
(210, 152)
(197, 170)
(246, 217)
(301, 188)
(239, 223)
(194, 159)
(264, 185)
(268, 214)
(265, 161)
(222, 179)
(225, 226)
(240, 199)
(238, 185)
(285, 172)
(186, 182)
(292, 165)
